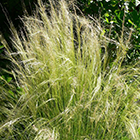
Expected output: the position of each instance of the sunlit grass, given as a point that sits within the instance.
(69, 90)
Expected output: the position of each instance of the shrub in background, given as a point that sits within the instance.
(69, 90)
(112, 15)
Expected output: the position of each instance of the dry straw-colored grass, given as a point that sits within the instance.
(69, 91)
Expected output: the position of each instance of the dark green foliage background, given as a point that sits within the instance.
(113, 11)
(10, 11)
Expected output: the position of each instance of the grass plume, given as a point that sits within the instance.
(69, 91)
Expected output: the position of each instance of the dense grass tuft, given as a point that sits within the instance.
(69, 90)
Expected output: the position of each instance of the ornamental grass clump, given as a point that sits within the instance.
(69, 89)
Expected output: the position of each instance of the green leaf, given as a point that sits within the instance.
(1, 47)
(11, 93)
(107, 20)
(131, 22)
(106, 14)
(9, 79)
(103, 32)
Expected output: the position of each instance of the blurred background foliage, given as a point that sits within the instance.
(110, 12)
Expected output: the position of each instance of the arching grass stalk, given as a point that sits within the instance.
(69, 91)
